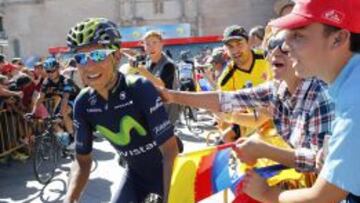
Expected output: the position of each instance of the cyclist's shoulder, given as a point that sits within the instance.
(135, 81)
(85, 94)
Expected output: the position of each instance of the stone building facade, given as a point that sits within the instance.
(31, 26)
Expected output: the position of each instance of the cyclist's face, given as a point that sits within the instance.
(308, 49)
(96, 74)
(153, 46)
(53, 74)
(238, 50)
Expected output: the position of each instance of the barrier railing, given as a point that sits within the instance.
(13, 131)
(16, 132)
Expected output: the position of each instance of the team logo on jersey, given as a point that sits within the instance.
(158, 104)
(122, 138)
(120, 106)
(122, 95)
(162, 127)
(93, 102)
(96, 110)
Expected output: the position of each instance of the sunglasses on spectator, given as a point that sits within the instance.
(276, 43)
(96, 56)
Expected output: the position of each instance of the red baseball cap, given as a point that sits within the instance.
(344, 14)
(8, 68)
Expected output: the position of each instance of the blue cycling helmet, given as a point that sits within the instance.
(51, 63)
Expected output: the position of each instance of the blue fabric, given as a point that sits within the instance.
(342, 164)
(220, 174)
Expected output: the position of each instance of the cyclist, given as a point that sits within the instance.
(58, 86)
(126, 110)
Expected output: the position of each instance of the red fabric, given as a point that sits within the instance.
(244, 198)
(8, 68)
(344, 14)
(28, 93)
(203, 184)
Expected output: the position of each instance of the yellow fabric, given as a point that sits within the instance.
(185, 167)
(183, 176)
(288, 179)
(260, 72)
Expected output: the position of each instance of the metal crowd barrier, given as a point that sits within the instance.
(13, 130)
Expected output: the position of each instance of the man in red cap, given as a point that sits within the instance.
(323, 38)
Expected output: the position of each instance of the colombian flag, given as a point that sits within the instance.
(197, 175)
(200, 174)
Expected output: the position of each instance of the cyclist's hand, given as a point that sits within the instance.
(29, 116)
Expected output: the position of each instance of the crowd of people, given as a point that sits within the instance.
(296, 76)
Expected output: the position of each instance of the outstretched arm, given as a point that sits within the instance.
(205, 100)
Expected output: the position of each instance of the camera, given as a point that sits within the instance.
(139, 60)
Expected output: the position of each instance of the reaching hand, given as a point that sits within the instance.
(255, 186)
(165, 94)
(248, 150)
(20, 94)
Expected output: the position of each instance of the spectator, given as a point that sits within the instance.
(217, 61)
(2, 62)
(72, 73)
(186, 72)
(247, 68)
(160, 69)
(283, 7)
(256, 37)
(323, 38)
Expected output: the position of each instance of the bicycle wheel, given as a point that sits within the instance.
(45, 158)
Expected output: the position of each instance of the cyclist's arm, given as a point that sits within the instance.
(80, 172)
(40, 98)
(64, 103)
(83, 148)
(169, 151)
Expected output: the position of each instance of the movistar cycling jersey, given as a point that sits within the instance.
(133, 119)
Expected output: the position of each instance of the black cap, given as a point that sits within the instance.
(234, 32)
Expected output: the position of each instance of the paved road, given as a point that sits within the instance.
(17, 183)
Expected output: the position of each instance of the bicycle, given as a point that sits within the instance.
(47, 149)
(189, 113)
